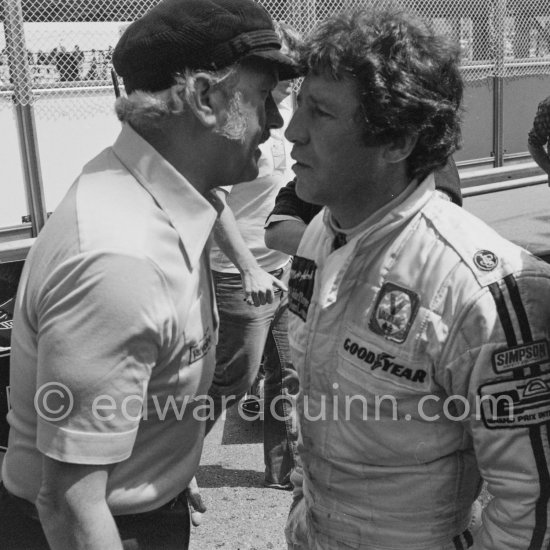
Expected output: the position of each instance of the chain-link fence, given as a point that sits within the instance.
(64, 47)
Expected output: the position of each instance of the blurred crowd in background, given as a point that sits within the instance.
(63, 65)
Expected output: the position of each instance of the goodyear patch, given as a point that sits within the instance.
(380, 364)
(526, 355)
(300, 286)
(394, 312)
(515, 403)
(485, 260)
(200, 348)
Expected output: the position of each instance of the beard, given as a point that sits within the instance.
(235, 125)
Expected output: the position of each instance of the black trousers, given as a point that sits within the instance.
(167, 528)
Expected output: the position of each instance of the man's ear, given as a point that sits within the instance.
(206, 101)
(399, 149)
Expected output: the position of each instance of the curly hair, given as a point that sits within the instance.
(291, 40)
(146, 110)
(407, 76)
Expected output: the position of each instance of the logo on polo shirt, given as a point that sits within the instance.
(201, 347)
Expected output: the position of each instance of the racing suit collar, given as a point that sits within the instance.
(392, 214)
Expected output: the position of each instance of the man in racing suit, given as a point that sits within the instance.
(420, 335)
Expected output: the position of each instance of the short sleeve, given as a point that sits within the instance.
(288, 206)
(102, 319)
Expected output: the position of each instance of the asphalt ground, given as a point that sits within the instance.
(242, 514)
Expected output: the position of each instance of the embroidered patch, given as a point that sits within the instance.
(515, 403)
(300, 286)
(526, 355)
(380, 364)
(200, 348)
(485, 260)
(394, 312)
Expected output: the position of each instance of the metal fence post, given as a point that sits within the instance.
(498, 82)
(22, 99)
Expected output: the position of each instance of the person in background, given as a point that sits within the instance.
(115, 322)
(539, 136)
(243, 267)
(420, 336)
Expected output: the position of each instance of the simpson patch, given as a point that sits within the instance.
(394, 312)
(515, 403)
(300, 286)
(526, 355)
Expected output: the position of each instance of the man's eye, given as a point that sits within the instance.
(320, 112)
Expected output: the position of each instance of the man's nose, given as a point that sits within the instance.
(273, 117)
(295, 131)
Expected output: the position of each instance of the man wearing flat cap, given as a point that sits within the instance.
(115, 325)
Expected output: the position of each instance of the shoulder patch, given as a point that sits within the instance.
(522, 356)
(515, 403)
(300, 286)
(485, 260)
(394, 312)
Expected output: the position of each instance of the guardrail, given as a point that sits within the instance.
(491, 180)
(503, 186)
(14, 251)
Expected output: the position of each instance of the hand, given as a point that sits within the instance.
(195, 502)
(296, 527)
(259, 286)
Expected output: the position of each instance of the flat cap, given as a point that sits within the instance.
(196, 34)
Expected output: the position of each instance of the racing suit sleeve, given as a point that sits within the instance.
(497, 357)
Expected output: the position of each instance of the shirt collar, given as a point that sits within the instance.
(189, 212)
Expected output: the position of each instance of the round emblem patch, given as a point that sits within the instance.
(485, 260)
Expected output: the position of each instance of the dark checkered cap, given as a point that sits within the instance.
(196, 34)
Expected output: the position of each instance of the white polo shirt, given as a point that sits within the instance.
(115, 331)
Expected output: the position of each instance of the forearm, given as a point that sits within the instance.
(540, 156)
(78, 527)
(72, 507)
(285, 235)
(231, 243)
(258, 284)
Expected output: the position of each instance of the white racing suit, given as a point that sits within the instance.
(423, 356)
